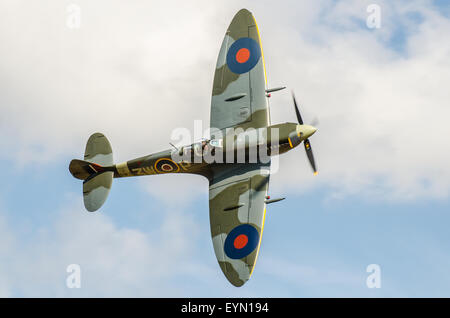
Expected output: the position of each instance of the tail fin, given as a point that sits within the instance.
(93, 170)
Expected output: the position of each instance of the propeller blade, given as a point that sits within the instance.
(297, 112)
(306, 143)
(310, 155)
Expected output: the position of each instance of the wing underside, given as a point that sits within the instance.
(237, 191)
(238, 97)
(237, 210)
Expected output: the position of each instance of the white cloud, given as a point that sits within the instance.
(115, 261)
(382, 114)
(135, 72)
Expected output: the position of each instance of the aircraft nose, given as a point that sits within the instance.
(305, 131)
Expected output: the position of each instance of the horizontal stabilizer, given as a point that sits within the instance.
(98, 150)
(96, 171)
(96, 190)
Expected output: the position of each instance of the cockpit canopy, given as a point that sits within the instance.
(199, 148)
(216, 143)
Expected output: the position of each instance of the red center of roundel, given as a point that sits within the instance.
(166, 167)
(242, 55)
(240, 241)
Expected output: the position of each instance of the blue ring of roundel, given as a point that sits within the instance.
(255, 54)
(253, 239)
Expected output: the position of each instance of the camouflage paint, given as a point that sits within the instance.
(237, 191)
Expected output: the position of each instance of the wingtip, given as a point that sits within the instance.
(232, 275)
(237, 284)
(244, 10)
(244, 15)
(235, 281)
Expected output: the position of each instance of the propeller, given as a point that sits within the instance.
(306, 143)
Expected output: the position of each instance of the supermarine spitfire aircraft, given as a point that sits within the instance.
(237, 189)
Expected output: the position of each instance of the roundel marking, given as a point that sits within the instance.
(241, 241)
(165, 165)
(243, 55)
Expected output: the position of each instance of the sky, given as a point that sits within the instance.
(136, 71)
